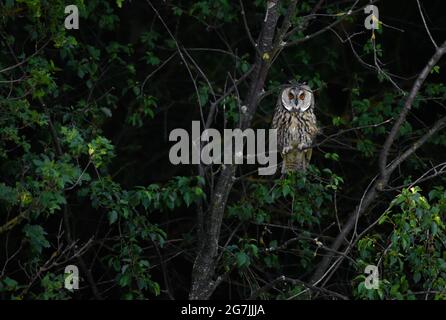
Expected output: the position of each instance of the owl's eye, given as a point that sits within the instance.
(302, 96)
(290, 96)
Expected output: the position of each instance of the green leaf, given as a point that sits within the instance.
(434, 228)
(187, 198)
(124, 280)
(416, 277)
(9, 284)
(112, 216)
(36, 236)
(435, 69)
(155, 288)
(242, 259)
(177, 11)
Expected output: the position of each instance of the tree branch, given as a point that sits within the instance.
(203, 271)
(379, 184)
(407, 106)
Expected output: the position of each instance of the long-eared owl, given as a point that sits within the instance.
(296, 126)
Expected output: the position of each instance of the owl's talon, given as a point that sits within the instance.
(302, 146)
(287, 149)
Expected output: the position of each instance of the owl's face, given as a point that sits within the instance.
(297, 98)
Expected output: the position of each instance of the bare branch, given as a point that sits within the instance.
(425, 25)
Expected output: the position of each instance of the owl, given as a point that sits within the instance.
(296, 126)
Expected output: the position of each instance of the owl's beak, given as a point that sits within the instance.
(296, 103)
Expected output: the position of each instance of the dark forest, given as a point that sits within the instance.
(93, 207)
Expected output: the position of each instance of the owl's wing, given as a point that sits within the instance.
(276, 124)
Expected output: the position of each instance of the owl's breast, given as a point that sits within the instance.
(299, 129)
(295, 132)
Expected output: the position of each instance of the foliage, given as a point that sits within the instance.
(85, 117)
(412, 257)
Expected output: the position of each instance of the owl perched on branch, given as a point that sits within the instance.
(296, 126)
